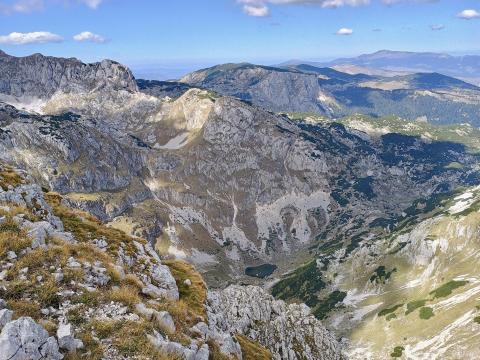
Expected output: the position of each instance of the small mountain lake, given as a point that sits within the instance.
(260, 271)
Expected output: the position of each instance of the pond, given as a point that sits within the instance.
(261, 271)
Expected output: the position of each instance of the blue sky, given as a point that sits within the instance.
(194, 33)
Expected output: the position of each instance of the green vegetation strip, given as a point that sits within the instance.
(390, 310)
(414, 305)
(447, 289)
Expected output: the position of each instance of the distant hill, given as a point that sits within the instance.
(462, 67)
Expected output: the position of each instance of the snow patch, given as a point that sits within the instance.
(176, 143)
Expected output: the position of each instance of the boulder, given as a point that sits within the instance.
(165, 321)
(162, 318)
(24, 339)
(66, 338)
(165, 281)
(203, 353)
(251, 311)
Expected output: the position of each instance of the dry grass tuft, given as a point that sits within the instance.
(47, 293)
(93, 349)
(84, 226)
(24, 308)
(8, 177)
(251, 350)
(12, 238)
(195, 295)
(215, 353)
(130, 338)
(126, 295)
(50, 326)
(133, 281)
(15, 290)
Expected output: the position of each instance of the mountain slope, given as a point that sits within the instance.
(417, 288)
(250, 196)
(219, 182)
(414, 283)
(27, 81)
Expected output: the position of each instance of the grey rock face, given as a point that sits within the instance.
(290, 332)
(273, 89)
(23, 339)
(178, 350)
(163, 318)
(41, 76)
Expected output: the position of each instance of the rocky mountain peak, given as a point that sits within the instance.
(42, 76)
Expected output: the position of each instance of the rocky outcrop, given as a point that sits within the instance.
(268, 87)
(290, 332)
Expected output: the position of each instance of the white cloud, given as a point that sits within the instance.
(16, 38)
(393, 2)
(344, 31)
(256, 10)
(468, 14)
(260, 7)
(323, 3)
(437, 27)
(89, 36)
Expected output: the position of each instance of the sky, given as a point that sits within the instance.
(179, 35)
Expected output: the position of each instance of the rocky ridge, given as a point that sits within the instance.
(40, 77)
(227, 185)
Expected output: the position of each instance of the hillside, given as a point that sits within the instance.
(385, 61)
(415, 287)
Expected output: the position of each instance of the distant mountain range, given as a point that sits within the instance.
(305, 88)
(397, 62)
